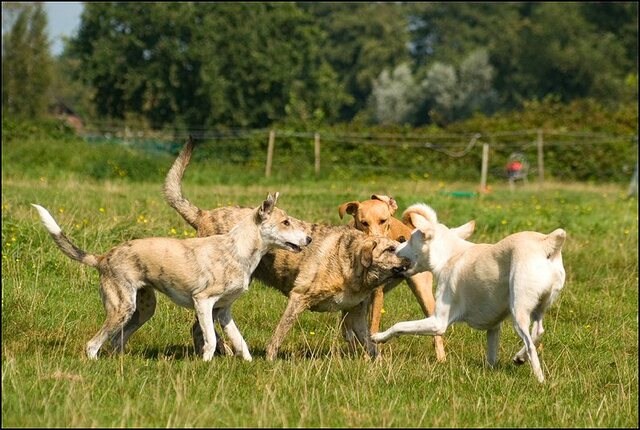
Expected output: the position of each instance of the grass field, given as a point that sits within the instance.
(51, 307)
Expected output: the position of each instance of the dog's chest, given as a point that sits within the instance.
(339, 301)
(232, 292)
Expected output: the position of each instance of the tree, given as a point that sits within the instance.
(393, 96)
(205, 64)
(26, 63)
(362, 39)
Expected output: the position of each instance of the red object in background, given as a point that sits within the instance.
(514, 166)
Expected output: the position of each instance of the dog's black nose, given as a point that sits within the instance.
(308, 240)
(399, 269)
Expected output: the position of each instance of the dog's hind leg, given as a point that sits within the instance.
(119, 304)
(296, 305)
(198, 340)
(493, 341)
(521, 321)
(145, 308)
(237, 341)
(536, 335)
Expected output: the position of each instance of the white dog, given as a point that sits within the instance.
(482, 284)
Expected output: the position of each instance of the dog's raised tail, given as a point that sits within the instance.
(173, 187)
(63, 242)
(554, 241)
(421, 209)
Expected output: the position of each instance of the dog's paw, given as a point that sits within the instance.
(519, 360)
(379, 338)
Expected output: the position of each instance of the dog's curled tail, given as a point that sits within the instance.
(420, 209)
(63, 242)
(173, 188)
(553, 242)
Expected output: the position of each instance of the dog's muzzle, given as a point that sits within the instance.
(400, 270)
(293, 247)
(297, 248)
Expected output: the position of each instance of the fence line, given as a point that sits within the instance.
(467, 141)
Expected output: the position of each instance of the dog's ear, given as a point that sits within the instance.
(465, 230)
(424, 233)
(350, 207)
(393, 206)
(366, 255)
(267, 206)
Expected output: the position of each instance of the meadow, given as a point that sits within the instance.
(51, 308)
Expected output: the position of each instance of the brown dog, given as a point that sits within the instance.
(375, 217)
(337, 272)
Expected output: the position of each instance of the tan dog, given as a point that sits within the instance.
(337, 272)
(482, 284)
(375, 217)
(205, 274)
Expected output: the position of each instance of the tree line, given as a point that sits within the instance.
(177, 64)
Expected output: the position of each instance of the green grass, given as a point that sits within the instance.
(51, 307)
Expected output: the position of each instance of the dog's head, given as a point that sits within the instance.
(427, 232)
(278, 229)
(373, 216)
(378, 258)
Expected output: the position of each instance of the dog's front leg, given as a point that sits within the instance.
(295, 306)
(240, 347)
(377, 301)
(431, 326)
(204, 308)
(421, 285)
(356, 319)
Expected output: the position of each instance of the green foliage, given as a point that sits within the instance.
(393, 96)
(537, 49)
(363, 39)
(206, 64)
(26, 63)
(230, 65)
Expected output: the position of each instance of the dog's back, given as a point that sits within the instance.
(278, 268)
(526, 264)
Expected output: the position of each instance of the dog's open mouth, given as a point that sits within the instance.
(400, 270)
(293, 247)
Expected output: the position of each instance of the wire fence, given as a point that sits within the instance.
(473, 156)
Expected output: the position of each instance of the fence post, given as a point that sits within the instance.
(317, 152)
(272, 138)
(633, 184)
(485, 167)
(540, 158)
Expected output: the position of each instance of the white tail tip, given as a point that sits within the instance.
(47, 220)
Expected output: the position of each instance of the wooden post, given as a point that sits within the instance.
(272, 138)
(633, 185)
(485, 166)
(317, 152)
(540, 158)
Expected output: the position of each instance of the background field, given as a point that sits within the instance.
(51, 307)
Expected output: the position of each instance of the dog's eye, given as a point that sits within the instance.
(383, 221)
(390, 249)
(402, 239)
(364, 223)
(286, 222)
